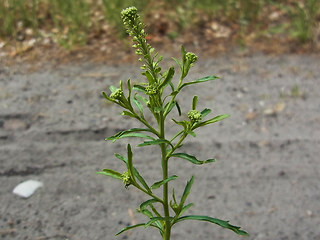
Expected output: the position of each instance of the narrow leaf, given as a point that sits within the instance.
(205, 112)
(145, 204)
(141, 179)
(111, 173)
(160, 183)
(168, 107)
(126, 113)
(185, 208)
(191, 158)
(130, 164)
(205, 79)
(138, 104)
(125, 133)
(221, 223)
(212, 120)
(146, 212)
(149, 77)
(122, 158)
(168, 78)
(129, 89)
(155, 142)
(139, 88)
(183, 52)
(194, 102)
(192, 133)
(186, 192)
(142, 99)
(154, 219)
(113, 89)
(134, 134)
(130, 227)
(178, 62)
(107, 97)
(178, 108)
(140, 135)
(184, 124)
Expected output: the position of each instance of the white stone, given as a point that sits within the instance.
(27, 188)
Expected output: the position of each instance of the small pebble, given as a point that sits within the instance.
(27, 188)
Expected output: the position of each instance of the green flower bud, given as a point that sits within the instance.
(152, 89)
(129, 15)
(194, 115)
(191, 57)
(118, 94)
(126, 178)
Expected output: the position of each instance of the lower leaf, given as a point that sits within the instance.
(221, 223)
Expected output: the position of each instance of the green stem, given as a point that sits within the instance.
(164, 163)
(148, 193)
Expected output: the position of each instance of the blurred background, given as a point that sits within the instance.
(80, 28)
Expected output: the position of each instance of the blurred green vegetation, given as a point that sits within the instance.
(73, 22)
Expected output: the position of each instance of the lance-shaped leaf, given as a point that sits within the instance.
(126, 133)
(141, 179)
(108, 98)
(212, 120)
(191, 158)
(126, 113)
(178, 62)
(186, 192)
(111, 173)
(183, 53)
(131, 227)
(129, 89)
(168, 108)
(205, 112)
(184, 123)
(149, 77)
(154, 219)
(138, 104)
(130, 163)
(145, 212)
(185, 208)
(160, 183)
(178, 108)
(194, 102)
(155, 142)
(205, 79)
(113, 89)
(139, 88)
(221, 223)
(140, 135)
(168, 78)
(147, 203)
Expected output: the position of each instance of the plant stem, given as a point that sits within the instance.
(164, 164)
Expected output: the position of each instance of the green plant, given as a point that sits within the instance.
(304, 19)
(72, 19)
(17, 12)
(152, 95)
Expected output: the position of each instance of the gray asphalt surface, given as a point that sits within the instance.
(266, 179)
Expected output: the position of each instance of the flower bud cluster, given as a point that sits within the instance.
(132, 21)
(126, 178)
(194, 115)
(152, 89)
(117, 95)
(191, 57)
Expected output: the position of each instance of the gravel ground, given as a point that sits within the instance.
(266, 179)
